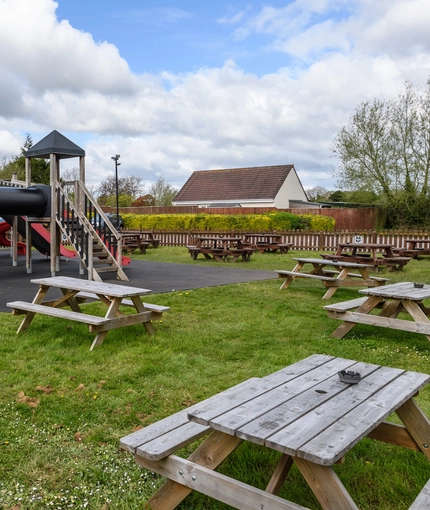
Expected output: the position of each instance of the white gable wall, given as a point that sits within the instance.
(291, 189)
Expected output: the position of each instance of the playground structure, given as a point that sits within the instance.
(4, 241)
(66, 207)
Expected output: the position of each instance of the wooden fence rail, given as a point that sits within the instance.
(316, 241)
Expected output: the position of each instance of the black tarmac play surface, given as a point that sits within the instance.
(159, 277)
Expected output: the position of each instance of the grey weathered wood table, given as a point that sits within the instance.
(303, 411)
(112, 295)
(392, 299)
(341, 276)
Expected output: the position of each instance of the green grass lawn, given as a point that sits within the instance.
(63, 409)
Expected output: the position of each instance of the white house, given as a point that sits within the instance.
(262, 186)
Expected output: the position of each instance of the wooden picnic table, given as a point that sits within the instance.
(221, 249)
(142, 239)
(147, 236)
(369, 253)
(341, 276)
(75, 291)
(270, 242)
(304, 412)
(414, 247)
(392, 299)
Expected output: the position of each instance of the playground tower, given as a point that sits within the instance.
(71, 207)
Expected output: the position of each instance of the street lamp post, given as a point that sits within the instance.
(116, 158)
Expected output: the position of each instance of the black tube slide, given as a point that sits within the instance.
(37, 240)
(33, 201)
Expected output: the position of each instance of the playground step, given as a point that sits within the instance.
(103, 259)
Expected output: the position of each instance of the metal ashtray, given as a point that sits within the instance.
(349, 377)
(418, 285)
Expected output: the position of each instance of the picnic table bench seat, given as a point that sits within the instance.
(284, 247)
(130, 247)
(282, 273)
(356, 275)
(164, 437)
(422, 501)
(157, 309)
(143, 245)
(21, 307)
(344, 306)
(168, 435)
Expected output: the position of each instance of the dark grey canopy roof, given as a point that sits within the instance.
(55, 143)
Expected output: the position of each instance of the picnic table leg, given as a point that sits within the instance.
(216, 448)
(417, 424)
(112, 311)
(138, 305)
(332, 286)
(290, 278)
(346, 326)
(326, 486)
(281, 472)
(40, 296)
(416, 312)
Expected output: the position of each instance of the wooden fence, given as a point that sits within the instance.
(306, 240)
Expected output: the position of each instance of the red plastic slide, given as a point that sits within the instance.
(40, 237)
(4, 241)
(41, 230)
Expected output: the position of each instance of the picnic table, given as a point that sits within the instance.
(142, 239)
(147, 236)
(303, 411)
(340, 276)
(270, 242)
(221, 249)
(130, 241)
(75, 291)
(414, 247)
(392, 299)
(368, 253)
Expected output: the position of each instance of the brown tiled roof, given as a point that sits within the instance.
(233, 184)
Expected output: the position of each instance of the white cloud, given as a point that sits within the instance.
(57, 77)
(44, 54)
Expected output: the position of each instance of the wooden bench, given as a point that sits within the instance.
(164, 437)
(143, 245)
(344, 306)
(422, 501)
(21, 307)
(284, 247)
(157, 310)
(130, 247)
(284, 274)
(354, 275)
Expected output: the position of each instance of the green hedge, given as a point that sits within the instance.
(281, 221)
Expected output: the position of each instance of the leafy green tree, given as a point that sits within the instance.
(337, 196)
(128, 189)
(385, 150)
(40, 173)
(317, 193)
(162, 192)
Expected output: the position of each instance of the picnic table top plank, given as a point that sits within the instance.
(110, 289)
(402, 290)
(305, 423)
(334, 263)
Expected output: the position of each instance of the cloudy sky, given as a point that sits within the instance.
(177, 86)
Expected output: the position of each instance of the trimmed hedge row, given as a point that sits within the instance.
(280, 221)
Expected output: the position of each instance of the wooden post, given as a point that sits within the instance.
(53, 247)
